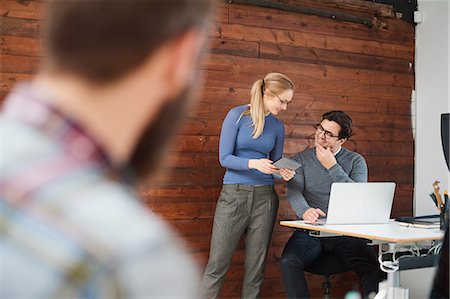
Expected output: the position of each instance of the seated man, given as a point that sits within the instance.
(308, 193)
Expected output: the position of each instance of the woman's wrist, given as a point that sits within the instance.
(251, 164)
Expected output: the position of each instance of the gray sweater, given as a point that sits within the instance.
(310, 187)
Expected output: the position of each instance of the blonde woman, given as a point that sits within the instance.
(251, 139)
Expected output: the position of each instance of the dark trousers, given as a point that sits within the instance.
(302, 249)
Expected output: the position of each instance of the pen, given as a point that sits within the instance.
(433, 197)
(436, 193)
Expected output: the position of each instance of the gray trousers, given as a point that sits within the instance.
(240, 208)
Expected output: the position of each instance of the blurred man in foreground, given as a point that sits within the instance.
(78, 139)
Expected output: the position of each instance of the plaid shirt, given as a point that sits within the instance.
(70, 226)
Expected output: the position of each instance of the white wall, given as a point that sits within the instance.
(431, 99)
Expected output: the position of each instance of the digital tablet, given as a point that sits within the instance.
(288, 163)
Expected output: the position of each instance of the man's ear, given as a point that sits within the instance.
(342, 141)
(184, 52)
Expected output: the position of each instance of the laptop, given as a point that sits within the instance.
(360, 203)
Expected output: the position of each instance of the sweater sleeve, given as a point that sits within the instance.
(357, 174)
(295, 192)
(227, 143)
(277, 151)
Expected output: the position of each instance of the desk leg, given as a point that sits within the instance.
(388, 292)
(391, 289)
(393, 278)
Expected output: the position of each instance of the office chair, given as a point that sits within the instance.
(327, 264)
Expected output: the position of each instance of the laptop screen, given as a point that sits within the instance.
(360, 203)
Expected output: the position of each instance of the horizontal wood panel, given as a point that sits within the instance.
(248, 65)
(233, 47)
(191, 177)
(22, 9)
(400, 26)
(16, 45)
(200, 194)
(239, 14)
(295, 115)
(34, 10)
(210, 176)
(334, 58)
(240, 79)
(366, 9)
(221, 13)
(311, 40)
(190, 143)
(20, 27)
(205, 210)
(374, 148)
(176, 211)
(20, 64)
(203, 226)
(387, 134)
(211, 127)
(376, 164)
(183, 192)
(232, 96)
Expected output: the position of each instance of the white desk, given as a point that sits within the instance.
(392, 234)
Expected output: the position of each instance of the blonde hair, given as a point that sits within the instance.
(273, 82)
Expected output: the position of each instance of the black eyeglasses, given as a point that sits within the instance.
(326, 133)
(282, 102)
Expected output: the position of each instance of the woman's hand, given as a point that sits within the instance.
(263, 165)
(287, 174)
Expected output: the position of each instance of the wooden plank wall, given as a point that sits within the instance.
(335, 65)
(367, 72)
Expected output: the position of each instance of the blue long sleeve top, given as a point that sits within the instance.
(237, 147)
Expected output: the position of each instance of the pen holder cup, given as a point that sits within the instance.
(444, 216)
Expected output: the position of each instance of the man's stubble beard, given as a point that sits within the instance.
(155, 142)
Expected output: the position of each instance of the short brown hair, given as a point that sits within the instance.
(343, 119)
(101, 40)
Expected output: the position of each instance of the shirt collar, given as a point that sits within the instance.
(337, 152)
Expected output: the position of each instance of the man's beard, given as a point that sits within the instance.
(149, 153)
